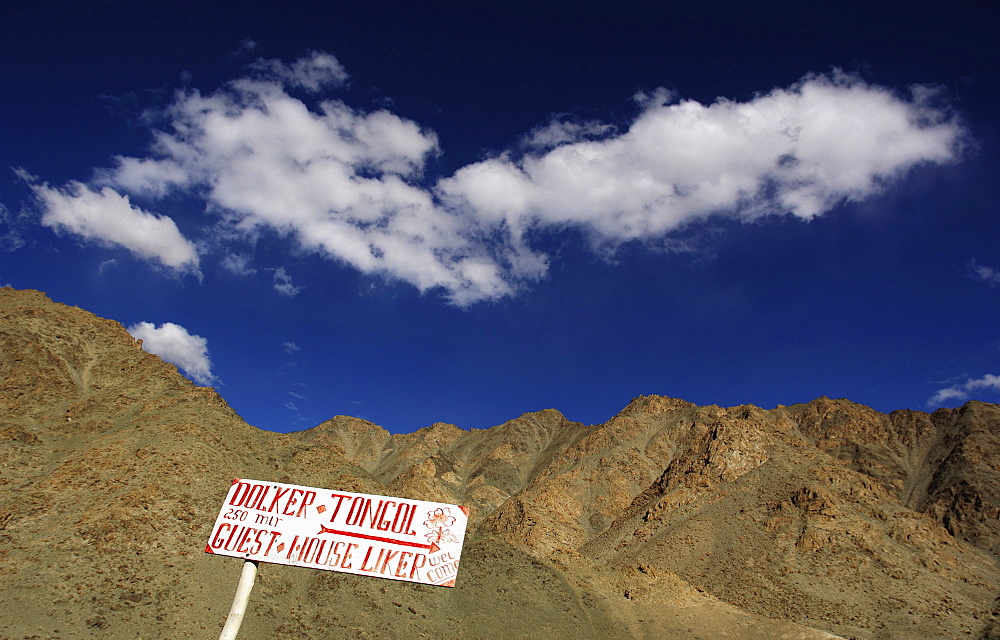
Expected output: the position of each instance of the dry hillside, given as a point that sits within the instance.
(669, 520)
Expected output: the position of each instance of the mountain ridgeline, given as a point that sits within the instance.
(670, 520)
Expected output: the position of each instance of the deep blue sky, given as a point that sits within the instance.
(887, 296)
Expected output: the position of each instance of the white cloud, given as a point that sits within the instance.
(246, 46)
(800, 151)
(988, 275)
(238, 264)
(175, 345)
(290, 347)
(961, 392)
(283, 283)
(339, 182)
(108, 217)
(559, 132)
(315, 72)
(10, 236)
(348, 185)
(145, 176)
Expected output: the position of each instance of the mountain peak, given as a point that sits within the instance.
(652, 404)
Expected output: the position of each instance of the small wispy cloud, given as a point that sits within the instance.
(174, 344)
(107, 265)
(238, 264)
(987, 274)
(290, 347)
(316, 71)
(562, 131)
(11, 238)
(283, 283)
(296, 411)
(246, 46)
(964, 390)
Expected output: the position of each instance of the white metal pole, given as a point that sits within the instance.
(239, 607)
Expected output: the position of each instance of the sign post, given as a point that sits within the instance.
(235, 618)
(395, 538)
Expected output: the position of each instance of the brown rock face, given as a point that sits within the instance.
(670, 520)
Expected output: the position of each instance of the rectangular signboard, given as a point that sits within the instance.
(396, 538)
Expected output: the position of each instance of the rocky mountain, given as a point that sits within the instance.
(670, 520)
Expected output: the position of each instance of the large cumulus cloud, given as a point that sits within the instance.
(800, 151)
(273, 151)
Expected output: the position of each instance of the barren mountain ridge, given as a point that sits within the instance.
(670, 520)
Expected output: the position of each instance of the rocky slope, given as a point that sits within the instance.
(669, 520)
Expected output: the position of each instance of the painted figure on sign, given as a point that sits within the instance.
(436, 521)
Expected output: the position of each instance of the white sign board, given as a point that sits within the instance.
(410, 540)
